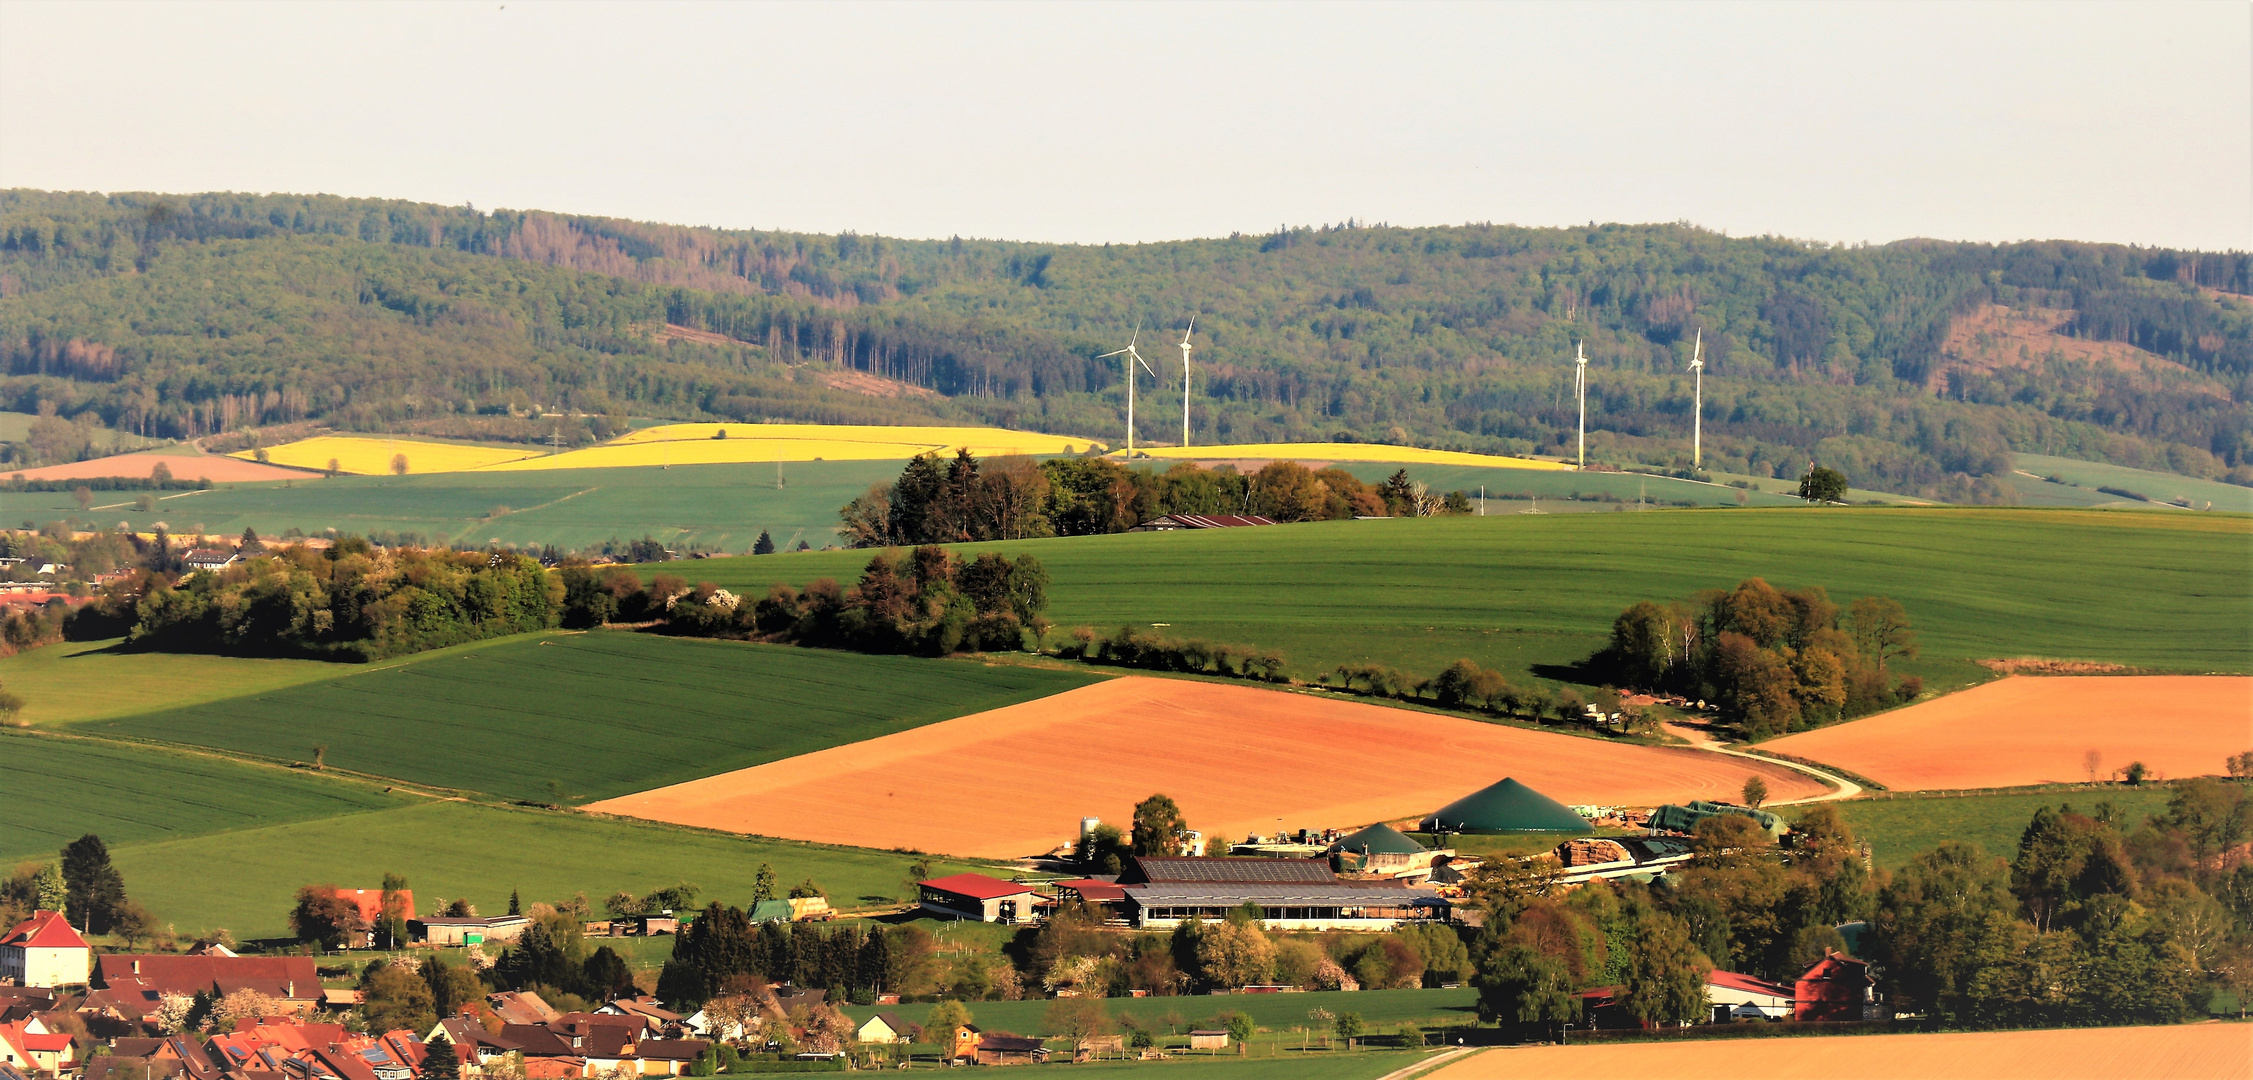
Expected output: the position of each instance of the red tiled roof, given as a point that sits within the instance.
(977, 886)
(1748, 984)
(44, 930)
(370, 903)
(281, 976)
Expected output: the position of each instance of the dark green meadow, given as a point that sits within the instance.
(572, 717)
(54, 790)
(1904, 827)
(2162, 589)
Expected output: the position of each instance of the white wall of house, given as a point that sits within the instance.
(40, 966)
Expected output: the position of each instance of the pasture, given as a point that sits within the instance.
(478, 852)
(2043, 730)
(567, 717)
(1236, 758)
(2067, 482)
(92, 680)
(2150, 588)
(59, 789)
(371, 455)
(1381, 1010)
(1901, 828)
(720, 507)
(2211, 1051)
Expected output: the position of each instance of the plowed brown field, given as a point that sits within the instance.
(2036, 730)
(2211, 1051)
(1015, 781)
(216, 468)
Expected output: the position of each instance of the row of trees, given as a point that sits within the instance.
(350, 601)
(2093, 920)
(1775, 660)
(938, 501)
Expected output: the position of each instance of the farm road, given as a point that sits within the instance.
(1704, 740)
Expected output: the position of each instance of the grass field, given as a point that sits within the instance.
(1521, 590)
(720, 507)
(91, 680)
(372, 455)
(1381, 1010)
(570, 717)
(982, 441)
(55, 790)
(243, 880)
(1899, 829)
(2067, 482)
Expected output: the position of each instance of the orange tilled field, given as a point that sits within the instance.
(1015, 781)
(2210, 1051)
(2038, 730)
(213, 467)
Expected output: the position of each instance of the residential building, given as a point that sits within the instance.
(291, 980)
(34, 1047)
(887, 1027)
(43, 950)
(1743, 997)
(1836, 987)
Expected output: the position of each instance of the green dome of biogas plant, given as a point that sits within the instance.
(1379, 839)
(1508, 806)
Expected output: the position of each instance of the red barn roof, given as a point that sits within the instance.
(977, 886)
(370, 903)
(44, 930)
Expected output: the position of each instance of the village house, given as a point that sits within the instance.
(43, 950)
(1837, 987)
(290, 980)
(211, 559)
(369, 904)
(887, 1027)
(34, 1047)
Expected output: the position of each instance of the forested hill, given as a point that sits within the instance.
(1916, 366)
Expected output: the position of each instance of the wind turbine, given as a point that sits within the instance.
(1697, 407)
(1580, 391)
(1185, 380)
(1134, 356)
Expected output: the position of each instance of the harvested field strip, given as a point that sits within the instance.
(2037, 730)
(982, 441)
(562, 717)
(2209, 1051)
(1016, 780)
(188, 466)
(1405, 455)
(55, 790)
(479, 853)
(372, 456)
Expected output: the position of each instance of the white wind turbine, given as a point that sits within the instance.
(1580, 391)
(1697, 402)
(1134, 356)
(1185, 380)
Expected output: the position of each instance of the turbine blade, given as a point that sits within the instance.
(1112, 353)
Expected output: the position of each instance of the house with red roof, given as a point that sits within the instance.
(977, 896)
(44, 951)
(1743, 997)
(1837, 987)
(32, 1046)
(369, 903)
(291, 980)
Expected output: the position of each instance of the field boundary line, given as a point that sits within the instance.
(1425, 1066)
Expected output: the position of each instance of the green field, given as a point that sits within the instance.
(92, 680)
(55, 790)
(1900, 829)
(244, 880)
(573, 717)
(2151, 588)
(2060, 481)
(720, 507)
(1380, 1010)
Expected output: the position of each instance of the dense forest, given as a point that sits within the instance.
(181, 316)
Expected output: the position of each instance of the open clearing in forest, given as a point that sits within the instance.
(2041, 730)
(2209, 1051)
(1016, 780)
(561, 717)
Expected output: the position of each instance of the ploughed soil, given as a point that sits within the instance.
(2209, 1051)
(1016, 781)
(217, 468)
(2037, 730)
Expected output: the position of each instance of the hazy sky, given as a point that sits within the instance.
(1087, 122)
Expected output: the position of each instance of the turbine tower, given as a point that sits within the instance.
(1580, 391)
(1185, 380)
(1697, 400)
(1133, 357)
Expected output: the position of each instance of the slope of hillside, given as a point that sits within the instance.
(189, 314)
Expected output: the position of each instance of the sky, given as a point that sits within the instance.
(1087, 122)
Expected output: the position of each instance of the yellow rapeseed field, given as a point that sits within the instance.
(1406, 455)
(372, 456)
(698, 444)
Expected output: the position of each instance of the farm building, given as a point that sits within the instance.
(1506, 806)
(1010, 1050)
(1636, 858)
(443, 930)
(1104, 894)
(44, 951)
(1208, 1039)
(1742, 997)
(1382, 849)
(1837, 987)
(976, 896)
(1295, 894)
(1172, 522)
(1684, 819)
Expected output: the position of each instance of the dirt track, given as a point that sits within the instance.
(1015, 781)
(2212, 1051)
(2034, 730)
